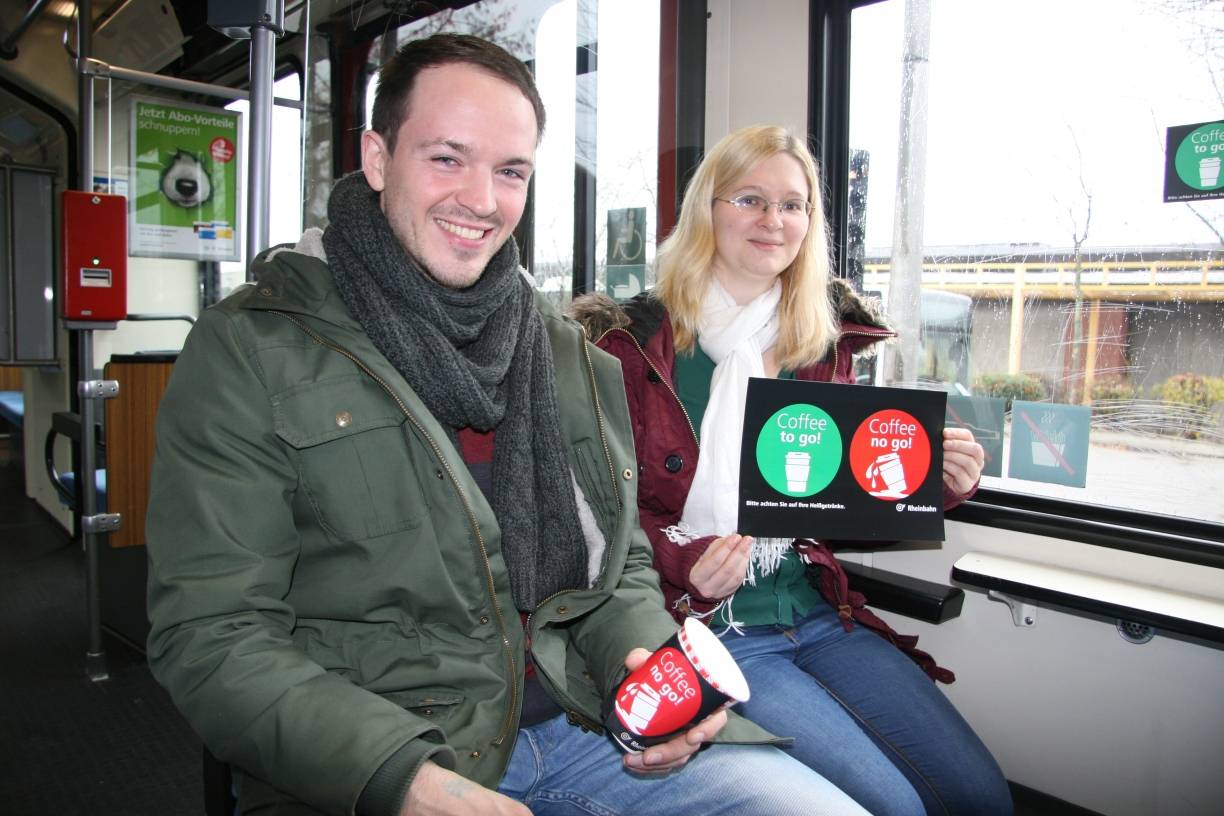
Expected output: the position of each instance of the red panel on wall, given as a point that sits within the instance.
(95, 256)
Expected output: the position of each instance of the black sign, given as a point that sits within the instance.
(1193, 154)
(841, 461)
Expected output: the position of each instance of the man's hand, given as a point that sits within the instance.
(436, 791)
(674, 753)
(721, 568)
(963, 459)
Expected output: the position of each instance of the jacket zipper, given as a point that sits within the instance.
(880, 335)
(471, 515)
(658, 374)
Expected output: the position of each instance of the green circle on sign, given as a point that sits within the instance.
(799, 450)
(1199, 157)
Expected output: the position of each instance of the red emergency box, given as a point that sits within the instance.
(95, 256)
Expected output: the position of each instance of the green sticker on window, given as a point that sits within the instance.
(1198, 157)
(799, 450)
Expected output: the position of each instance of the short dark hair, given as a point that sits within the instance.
(398, 75)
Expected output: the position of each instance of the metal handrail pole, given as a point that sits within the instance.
(95, 655)
(98, 68)
(259, 146)
(8, 49)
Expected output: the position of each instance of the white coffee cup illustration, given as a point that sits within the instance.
(798, 468)
(1209, 171)
(1047, 454)
(643, 708)
(888, 469)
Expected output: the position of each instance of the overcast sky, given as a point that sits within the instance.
(1013, 87)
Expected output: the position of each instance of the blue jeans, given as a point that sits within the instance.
(866, 718)
(559, 769)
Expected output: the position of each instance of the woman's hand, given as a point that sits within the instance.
(721, 568)
(963, 459)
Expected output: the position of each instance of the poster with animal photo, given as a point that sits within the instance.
(186, 166)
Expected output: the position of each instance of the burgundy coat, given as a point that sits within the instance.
(639, 334)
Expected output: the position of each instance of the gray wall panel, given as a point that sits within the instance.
(33, 240)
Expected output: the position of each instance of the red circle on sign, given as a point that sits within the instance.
(890, 454)
(221, 149)
(661, 696)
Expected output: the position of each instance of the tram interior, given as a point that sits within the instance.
(1084, 620)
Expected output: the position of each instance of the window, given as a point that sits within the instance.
(596, 67)
(285, 192)
(603, 127)
(1045, 272)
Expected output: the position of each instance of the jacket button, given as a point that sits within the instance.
(561, 610)
(475, 755)
(439, 474)
(484, 619)
(673, 463)
(627, 473)
(653, 376)
(344, 419)
(266, 291)
(428, 712)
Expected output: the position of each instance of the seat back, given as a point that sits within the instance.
(10, 378)
(130, 438)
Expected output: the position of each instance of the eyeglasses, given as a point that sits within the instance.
(795, 207)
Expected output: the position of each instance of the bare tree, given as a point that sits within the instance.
(1079, 218)
(488, 20)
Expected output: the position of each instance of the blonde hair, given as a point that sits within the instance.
(806, 326)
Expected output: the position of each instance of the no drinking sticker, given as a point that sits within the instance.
(890, 454)
(841, 462)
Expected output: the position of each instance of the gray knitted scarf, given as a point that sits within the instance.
(479, 358)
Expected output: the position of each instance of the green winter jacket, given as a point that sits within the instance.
(326, 580)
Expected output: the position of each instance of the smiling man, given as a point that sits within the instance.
(392, 570)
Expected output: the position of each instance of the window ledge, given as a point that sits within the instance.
(1114, 596)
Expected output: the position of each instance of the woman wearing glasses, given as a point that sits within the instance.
(744, 291)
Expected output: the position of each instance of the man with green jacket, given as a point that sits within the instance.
(395, 563)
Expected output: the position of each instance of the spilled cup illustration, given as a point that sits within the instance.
(887, 476)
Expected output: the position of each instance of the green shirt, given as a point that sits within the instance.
(785, 594)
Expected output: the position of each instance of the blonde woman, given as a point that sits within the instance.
(744, 291)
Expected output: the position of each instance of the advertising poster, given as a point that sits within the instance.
(841, 461)
(1192, 162)
(185, 161)
(1049, 443)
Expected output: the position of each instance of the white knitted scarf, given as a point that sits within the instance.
(736, 338)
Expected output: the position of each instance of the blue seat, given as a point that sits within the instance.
(68, 480)
(67, 424)
(12, 408)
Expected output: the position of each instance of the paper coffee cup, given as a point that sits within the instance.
(683, 682)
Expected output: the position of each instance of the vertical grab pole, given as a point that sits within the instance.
(95, 656)
(260, 21)
(263, 64)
